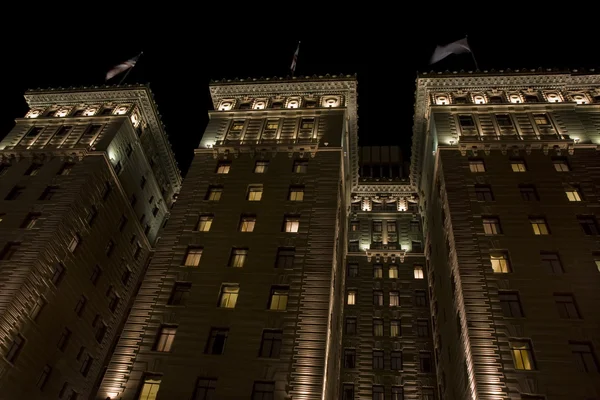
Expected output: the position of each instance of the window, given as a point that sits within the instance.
(118, 167)
(377, 359)
(391, 226)
(510, 304)
(279, 298)
(3, 168)
(63, 341)
(396, 360)
(237, 125)
(204, 223)
(291, 224)
(150, 388)
(223, 167)
(518, 165)
(37, 308)
(205, 389)
(350, 326)
(165, 338)
(14, 193)
(14, 348)
(504, 121)
(397, 393)
(561, 165)
(353, 246)
(66, 168)
(496, 99)
(500, 263)
(229, 295)
(422, 328)
(551, 262)
(420, 298)
(214, 193)
(528, 193)
(393, 272)
(466, 121)
(34, 131)
(428, 394)
(9, 250)
(425, 361)
(377, 297)
(263, 391)
(491, 226)
(254, 193)
(126, 276)
(296, 193)
(300, 166)
(541, 120)
(113, 300)
(539, 225)
(395, 328)
(261, 167)
(96, 273)
(247, 223)
(522, 354)
(91, 215)
(33, 169)
(74, 243)
(285, 257)
(49, 193)
(377, 271)
(394, 299)
(192, 257)
(484, 193)
(180, 293)
(62, 131)
(238, 257)
(349, 358)
(307, 123)
(80, 306)
(86, 365)
(133, 200)
(44, 376)
(58, 272)
(377, 327)
(348, 391)
(143, 182)
(589, 224)
(216, 341)
(30, 221)
(573, 193)
(351, 297)
(378, 392)
(106, 191)
(270, 346)
(584, 356)
(476, 165)
(354, 226)
(110, 247)
(567, 308)
(418, 272)
(101, 332)
(377, 226)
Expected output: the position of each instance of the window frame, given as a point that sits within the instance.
(510, 303)
(476, 165)
(521, 363)
(283, 296)
(238, 257)
(228, 295)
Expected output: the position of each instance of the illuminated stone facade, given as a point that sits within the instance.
(75, 243)
(507, 170)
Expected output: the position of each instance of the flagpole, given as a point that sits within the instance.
(295, 60)
(472, 55)
(129, 70)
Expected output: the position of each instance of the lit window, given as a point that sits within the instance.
(539, 225)
(263, 391)
(441, 100)
(500, 264)
(285, 257)
(238, 258)
(393, 272)
(418, 272)
(192, 257)
(307, 123)
(204, 223)
(522, 355)
(584, 356)
(476, 166)
(166, 336)
(228, 296)
(270, 346)
(541, 120)
(425, 361)
(510, 304)
(261, 167)
(394, 299)
(33, 169)
(296, 193)
(420, 298)
(254, 193)
(565, 304)
(395, 328)
(378, 363)
(561, 165)
(180, 293)
(378, 391)
(350, 326)
(573, 193)
(300, 166)
(422, 328)
(259, 105)
(377, 297)
(377, 271)
(351, 297)
(349, 358)
(237, 126)
(518, 165)
(279, 298)
(484, 193)
(589, 224)
(528, 192)
(214, 193)
(223, 167)
(30, 221)
(491, 226)
(515, 98)
(14, 348)
(37, 308)
(247, 223)
(292, 104)
(216, 341)
(551, 262)
(291, 224)
(150, 388)
(352, 270)
(225, 106)
(205, 389)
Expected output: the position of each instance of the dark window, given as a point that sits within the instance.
(216, 341)
(285, 257)
(138, 251)
(378, 392)
(584, 356)
(106, 111)
(63, 341)
(348, 391)
(33, 132)
(110, 247)
(397, 393)
(126, 276)
(300, 166)
(58, 272)
(353, 246)
(91, 215)
(528, 193)
(422, 328)
(352, 270)
(122, 223)
(261, 167)
(214, 193)
(310, 103)
(377, 359)
(484, 193)
(460, 100)
(80, 306)
(350, 326)
(129, 150)
(396, 360)
(307, 123)
(425, 361)
(244, 106)
(96, 273)
(14, 193)
(143, 182)
(377, 297)
(62, 131)
(101, 332)
(205, 389)
(14, 348)
(566, 306)
(78, 113)
(277, 104)
(33, 169)
(377, 226)
(510, 304)
(146, 229)
(37, 308)
(354, 226)
(420, 298)
(377, 327)
(44, 376)
(3, 168)
(66, 168)
(180, 293)
(118, 167)
(504, 121)
(428, 393)
(271, 344)
(86, 365)
(551, 262)
(155, 211)
(113, 300)
(106, 191)
(495, 99)
(263, 391)
(49, 193)
(9, 250)
(466, 121)
(589, 224)
(531, 98)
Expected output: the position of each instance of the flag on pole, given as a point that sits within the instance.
(295, 59)
(122, 67)
(441, 52)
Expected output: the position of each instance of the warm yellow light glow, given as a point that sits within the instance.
(62, 112)
(479, 99)
(112, 395)
(515, 98)
(135, 119)
(331, 102)
(553, 98)
(90, 111)
(121, 110)
(441, 100)
(580, 99)
(292, 104)
(225, 105)
(33, 114)
(260, 105)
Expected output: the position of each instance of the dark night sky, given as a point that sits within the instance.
(179, 74)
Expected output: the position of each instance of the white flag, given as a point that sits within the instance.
(295, 59)
(441, 52)
(122, 67)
